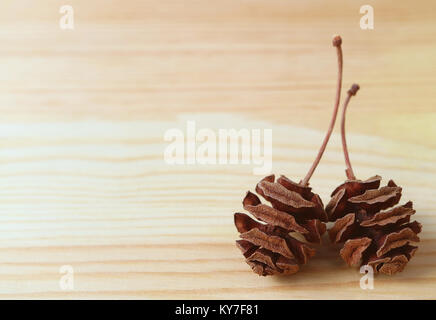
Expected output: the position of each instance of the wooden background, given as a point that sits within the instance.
(83, 114)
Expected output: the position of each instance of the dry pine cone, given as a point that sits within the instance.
(373, 235)
(270, 248)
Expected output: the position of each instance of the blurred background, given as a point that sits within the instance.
(267, 59)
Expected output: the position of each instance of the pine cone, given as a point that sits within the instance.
(268, 247)
(373, 235)
(272, 247)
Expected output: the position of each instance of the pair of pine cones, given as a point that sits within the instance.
(373, 230)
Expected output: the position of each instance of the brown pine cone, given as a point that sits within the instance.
(373, 234)
(270, 248)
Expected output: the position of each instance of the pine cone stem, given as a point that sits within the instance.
(337, 41)
(349, 171)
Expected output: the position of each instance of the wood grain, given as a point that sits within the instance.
(82, 176)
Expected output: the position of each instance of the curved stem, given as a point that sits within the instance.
(349, 171)
(337, 41)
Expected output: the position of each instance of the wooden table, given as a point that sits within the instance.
(83, 113)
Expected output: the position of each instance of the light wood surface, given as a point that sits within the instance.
(83, 114)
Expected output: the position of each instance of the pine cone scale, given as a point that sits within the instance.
(395, 215)
(379, 199)
(396, 240)
(342, 228)
(357, 187)
(353, 249)
(287, 266)
(394, 261)
(272, 216)
(264, 262)
(282, 198)
(263, 256)
(271, 242)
